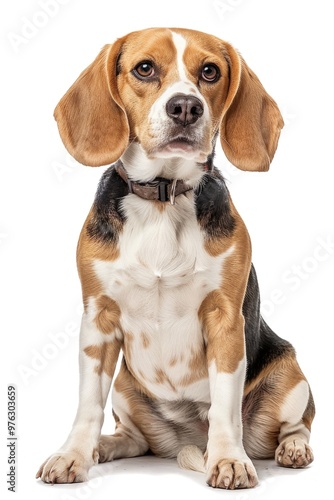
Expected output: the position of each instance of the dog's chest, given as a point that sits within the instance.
(159, 282)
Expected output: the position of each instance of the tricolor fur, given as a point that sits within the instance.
(203, 377)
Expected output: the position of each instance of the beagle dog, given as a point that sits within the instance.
(164, 260)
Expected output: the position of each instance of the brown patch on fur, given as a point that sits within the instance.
(127, 346)
(107, 319)
(145, 340)
(159, 205)
(161, 377)
(224, 330)
(107, 355)
(173, 361)
(198, 364)
(88, 250)
(221, 311)
(197, 368)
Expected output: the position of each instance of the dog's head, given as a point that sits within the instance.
(172, 91)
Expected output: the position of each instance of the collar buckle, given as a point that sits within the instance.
(163, 189)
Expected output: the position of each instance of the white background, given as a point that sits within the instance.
(45, 197)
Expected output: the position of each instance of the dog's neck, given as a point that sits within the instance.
(139, 168)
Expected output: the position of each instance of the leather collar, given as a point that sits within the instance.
(160, 189)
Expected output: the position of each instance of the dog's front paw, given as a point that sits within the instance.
(232, 474)
(66, 467)
(294, 453)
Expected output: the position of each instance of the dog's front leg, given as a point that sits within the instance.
(227, 463)
(98, 356)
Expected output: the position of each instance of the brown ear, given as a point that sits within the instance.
(91, 120)
(251, 122)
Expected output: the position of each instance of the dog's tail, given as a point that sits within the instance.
(191, 458)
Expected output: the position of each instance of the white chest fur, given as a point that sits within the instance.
(159, 282)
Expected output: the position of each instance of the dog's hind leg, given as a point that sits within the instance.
(278, 414)
(296, 416)
(125, 443)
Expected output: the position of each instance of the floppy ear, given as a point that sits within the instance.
(91, 119)
(251, 122)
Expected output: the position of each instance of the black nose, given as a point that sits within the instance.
(184, 109)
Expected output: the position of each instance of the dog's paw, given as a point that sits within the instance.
(294, 453)
(66, 467)
(107, 446)
(232, 474)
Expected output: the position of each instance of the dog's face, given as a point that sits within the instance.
(171, 91)
(180, 83)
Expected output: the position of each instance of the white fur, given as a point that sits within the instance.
(143, 169)
(293, 409)
(191, 458)
(225, 427)
(159, 282)
(180, 44)
(295, 403)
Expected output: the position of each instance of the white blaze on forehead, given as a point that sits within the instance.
(180, 45)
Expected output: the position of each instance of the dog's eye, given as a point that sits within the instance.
(210, 73)
(144, 70)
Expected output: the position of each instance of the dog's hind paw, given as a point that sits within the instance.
(295, 453)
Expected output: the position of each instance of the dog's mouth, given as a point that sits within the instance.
(179, 146)
(181, 142)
